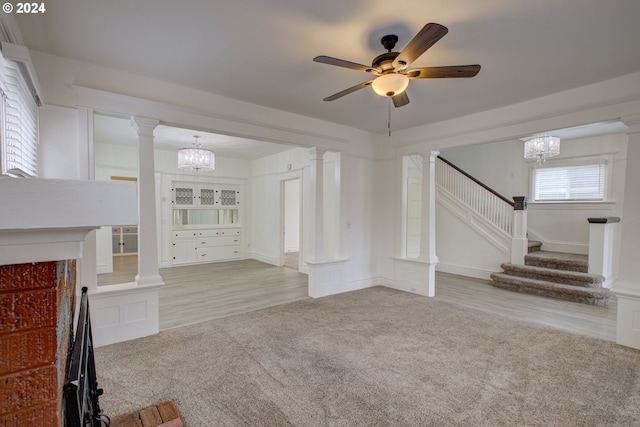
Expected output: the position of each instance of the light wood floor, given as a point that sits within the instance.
(599, 322)
(125, 269)
(193, 294)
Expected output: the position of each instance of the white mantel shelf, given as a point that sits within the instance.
(47, 220)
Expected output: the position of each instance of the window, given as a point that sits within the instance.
(18, 121)
(571, 182)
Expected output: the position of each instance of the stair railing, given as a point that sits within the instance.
(509, 217)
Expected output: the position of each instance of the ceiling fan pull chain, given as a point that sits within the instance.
(389, 116)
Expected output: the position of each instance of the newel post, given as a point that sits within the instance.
(519, 241)
(602, 247)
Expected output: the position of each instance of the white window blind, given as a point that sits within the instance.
(583, 182)
(19, 138)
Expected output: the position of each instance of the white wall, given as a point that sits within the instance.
(61, 154)
(292, 215)
(386, 202)
(264, 241)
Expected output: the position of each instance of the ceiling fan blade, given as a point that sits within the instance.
(443, 72)
(400, 100)
(346, 64)
(348, 91)
(426, 37)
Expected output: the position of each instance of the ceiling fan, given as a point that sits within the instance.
(390, 68)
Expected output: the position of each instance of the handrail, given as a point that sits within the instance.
(486, 187)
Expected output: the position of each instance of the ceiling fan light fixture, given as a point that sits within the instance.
(390, 84)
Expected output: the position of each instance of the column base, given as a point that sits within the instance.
(416, 276)
(124, 312)
(628, 325)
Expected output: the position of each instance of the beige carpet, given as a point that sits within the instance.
(375, 357)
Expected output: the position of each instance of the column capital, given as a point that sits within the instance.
(144, 125)
(316, 153)
(429, 156)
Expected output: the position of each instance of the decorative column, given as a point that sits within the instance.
(602, 247)
(428, 223)
(627, 287)
(519, 241)
(148, 273)
(315, 251)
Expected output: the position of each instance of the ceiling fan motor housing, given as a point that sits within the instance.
(384, 62)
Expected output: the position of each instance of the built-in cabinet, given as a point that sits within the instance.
(124, 240)
(206, 223)
(195, 246)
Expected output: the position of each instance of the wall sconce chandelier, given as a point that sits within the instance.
(541, 147)
(196, 158)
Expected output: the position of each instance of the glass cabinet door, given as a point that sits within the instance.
(228, 197)
(207, 197)
(183, 196)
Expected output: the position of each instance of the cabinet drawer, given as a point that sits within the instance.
(181, 234)
(219, 241)
(229, 232)
(217, 253)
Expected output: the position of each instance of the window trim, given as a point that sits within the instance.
(606, 159)
(15, 64)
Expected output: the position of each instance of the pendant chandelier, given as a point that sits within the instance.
(541, 147)
(196, 158)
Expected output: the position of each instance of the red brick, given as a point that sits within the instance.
(20, 351)
(168, 410)
(176, 422)
(27, 276)
(27, 310)
(28, 388)
(150, 417)
(126, 418)
(42, 416)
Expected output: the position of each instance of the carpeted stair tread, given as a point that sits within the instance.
(592, 296)
(534, 246)
(563, 277)
(558, 261)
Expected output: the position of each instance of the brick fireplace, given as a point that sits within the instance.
(43, 224)
(36, 314)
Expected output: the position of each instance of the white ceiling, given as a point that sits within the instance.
(261, 51)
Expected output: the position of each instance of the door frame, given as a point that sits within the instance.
(293, 175)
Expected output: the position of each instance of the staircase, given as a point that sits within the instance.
(553, 274)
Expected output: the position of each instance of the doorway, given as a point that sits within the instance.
(123, 256)
(291, 223)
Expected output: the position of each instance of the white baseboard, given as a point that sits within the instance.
(264, 258)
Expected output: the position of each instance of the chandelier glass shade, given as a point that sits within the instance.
(541, 147)
(390, 84)
(196, 158)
